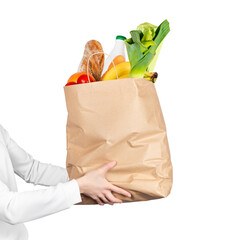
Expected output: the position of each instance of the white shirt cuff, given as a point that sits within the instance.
(72, 191)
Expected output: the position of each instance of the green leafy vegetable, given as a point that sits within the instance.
(148, 31)
(144, 46)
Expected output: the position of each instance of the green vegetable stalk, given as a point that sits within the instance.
(144, 46)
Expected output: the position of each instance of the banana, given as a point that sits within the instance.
(123, 69)
(124, 76)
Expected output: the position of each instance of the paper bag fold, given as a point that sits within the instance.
(119, 120)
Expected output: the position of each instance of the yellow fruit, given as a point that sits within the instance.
(124, 76)
(118, 59)
(123, 69)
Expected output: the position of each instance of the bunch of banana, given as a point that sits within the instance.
(123, 69)
(152, 76)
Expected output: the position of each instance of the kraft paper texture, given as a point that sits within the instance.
(119, 120)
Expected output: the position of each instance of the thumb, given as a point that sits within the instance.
(107, 166)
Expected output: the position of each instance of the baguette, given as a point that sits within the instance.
(96, 61)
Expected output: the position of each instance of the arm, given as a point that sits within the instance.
(19, 207)
(92, 184)
(31, 170)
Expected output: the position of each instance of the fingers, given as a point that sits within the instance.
(107, 166)
(99, 201)
(120, 191)
(108, 197)
(112, 198)
(104, 199)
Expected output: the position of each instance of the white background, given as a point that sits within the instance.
(41, 45)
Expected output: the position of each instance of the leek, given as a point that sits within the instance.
(144, 46)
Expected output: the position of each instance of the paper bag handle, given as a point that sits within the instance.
(100, 53)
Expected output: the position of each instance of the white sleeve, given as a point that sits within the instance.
(19, 207)
(30, 169)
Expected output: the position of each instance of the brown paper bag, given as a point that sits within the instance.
(119, 120)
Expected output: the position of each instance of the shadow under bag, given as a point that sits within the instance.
(119, 120)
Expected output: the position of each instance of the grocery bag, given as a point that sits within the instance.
(119, 120)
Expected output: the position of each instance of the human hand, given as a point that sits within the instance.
(95, 185)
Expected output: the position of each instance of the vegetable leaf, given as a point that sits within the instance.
(144, 46)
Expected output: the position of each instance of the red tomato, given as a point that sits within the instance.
(84, 79)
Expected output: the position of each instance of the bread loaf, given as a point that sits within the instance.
(96, 61)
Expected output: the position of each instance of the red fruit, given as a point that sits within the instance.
(70, 83)
(81, 77)
(84, 79)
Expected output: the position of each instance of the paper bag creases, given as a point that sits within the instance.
(119, 120)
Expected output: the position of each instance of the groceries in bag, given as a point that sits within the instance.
(120, 70)
(144, 46)
(95, 62)
(117, 54)
(143, 49)
(81, 77)
(120, 120)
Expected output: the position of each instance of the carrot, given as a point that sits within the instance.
(118, 59)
